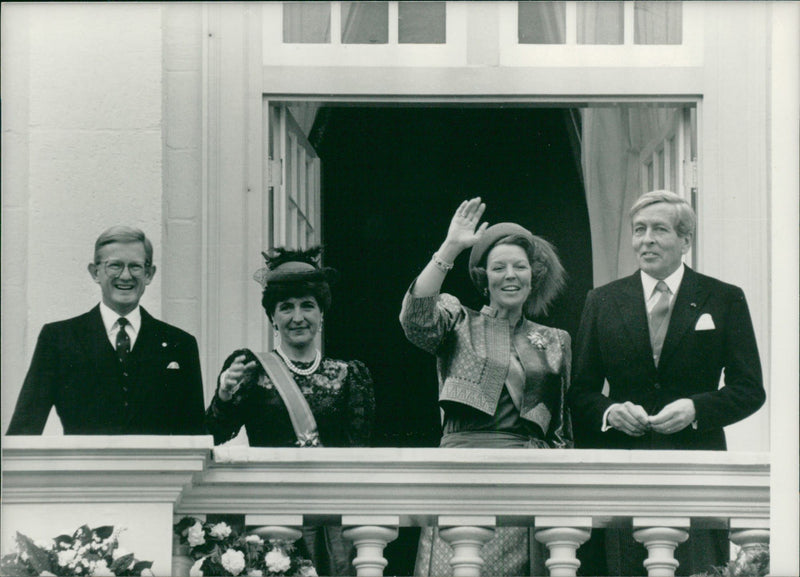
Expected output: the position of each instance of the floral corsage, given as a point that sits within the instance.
(537, 339)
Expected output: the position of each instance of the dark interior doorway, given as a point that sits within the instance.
(392, 178)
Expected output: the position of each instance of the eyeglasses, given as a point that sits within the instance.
(114, 268)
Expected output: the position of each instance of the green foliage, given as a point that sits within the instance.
(86, 553)
(751, 563)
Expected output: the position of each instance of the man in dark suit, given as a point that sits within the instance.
(114, 370)
(662, 338)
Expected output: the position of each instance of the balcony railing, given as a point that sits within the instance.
(55, 484)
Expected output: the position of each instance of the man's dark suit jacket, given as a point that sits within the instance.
(75, 368)
(613, 343)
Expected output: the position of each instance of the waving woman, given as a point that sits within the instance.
(502, 377)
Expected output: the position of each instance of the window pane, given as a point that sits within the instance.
(658, 23)
(421, 23)
(600, 22)
(307, 22)
(365, 22)
(542, 22)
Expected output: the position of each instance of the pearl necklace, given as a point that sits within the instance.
(297, 370)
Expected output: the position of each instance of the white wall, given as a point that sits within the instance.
(734, 195)
(81, 151)
(101, 125)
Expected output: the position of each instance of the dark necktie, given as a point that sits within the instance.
(658, 320)
(123, 340)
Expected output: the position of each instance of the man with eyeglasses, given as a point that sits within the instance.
(114, 370)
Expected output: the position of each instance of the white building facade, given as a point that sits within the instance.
(192, 122)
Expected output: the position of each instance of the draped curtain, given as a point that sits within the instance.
(600, 22)
(612, 141)
(542, 23)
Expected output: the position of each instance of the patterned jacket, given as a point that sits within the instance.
(473, 351)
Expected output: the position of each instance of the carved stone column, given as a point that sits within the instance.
(370, 535)
(750, 534)
(661, 536)
(466, 535)
(181, 562)
(563, 536)
(283, 527)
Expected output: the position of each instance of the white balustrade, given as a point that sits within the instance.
(750, 534)
(181, 562)
(661, 536)
(282, 527)
(563, 536)
(467, 536)
(52, 485)
(370, 535)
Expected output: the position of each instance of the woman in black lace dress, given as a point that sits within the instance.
(296, 295)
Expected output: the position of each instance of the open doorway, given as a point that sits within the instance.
(391, 179)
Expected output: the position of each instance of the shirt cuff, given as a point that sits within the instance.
(606, 426)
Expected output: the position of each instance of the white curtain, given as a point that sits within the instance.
(600, 22)
(612, 141)
(542, 22)
(612, 138)
(307, 22)
(365, 22)
(658, 22)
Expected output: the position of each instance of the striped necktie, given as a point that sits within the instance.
(658, 320)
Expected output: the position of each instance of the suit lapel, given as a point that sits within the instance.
(97, 345)
(688, 303)
(96, 335)
(633, 315)
(148, 334)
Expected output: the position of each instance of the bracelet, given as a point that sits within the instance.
(440, 264)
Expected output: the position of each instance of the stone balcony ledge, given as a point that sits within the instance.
(513, 485)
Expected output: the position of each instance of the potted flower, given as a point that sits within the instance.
(87, 552)
(218, 550)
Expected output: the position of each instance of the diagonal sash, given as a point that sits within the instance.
(305, 426)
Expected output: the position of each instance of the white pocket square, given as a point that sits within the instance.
(705, 323)
(173, 365)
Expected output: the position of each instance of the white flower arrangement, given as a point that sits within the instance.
(218, 550)
(85, 553)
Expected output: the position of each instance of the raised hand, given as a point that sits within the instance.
(232, 378)
(463, 232)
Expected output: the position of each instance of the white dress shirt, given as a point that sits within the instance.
(649, 283)
(111, 323)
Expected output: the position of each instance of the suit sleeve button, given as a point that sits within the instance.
(657, 385)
